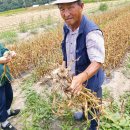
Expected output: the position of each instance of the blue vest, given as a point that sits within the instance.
(86, 26)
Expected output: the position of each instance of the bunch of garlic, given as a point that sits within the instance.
(61, 76)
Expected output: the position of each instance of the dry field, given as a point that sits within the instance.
(12, 21)
(43, 51)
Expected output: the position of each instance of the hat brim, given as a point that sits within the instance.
(63, 1)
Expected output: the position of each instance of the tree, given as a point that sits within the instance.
(14, 4)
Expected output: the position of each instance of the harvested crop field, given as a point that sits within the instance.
(40, 54)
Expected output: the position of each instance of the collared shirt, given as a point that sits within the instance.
(71, 48)
(94, 47)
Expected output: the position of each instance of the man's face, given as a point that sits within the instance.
(71, 13)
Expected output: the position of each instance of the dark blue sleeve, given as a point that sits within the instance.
(3, 49)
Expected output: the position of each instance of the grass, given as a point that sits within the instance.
(38, 114)
(106, 93)
(34, 24)
(90, 1)
(8, 36)
(23, 27)
(11, 12)
(126, 99)
(103, 7)
(38, 109)
(49, 20)
(117, 116)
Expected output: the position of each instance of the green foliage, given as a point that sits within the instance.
(23, 27)
(117, 117)
(126, 99)
(38, 110)
(10, 5)
(34, 24)
(103, 7)
(28, 3)
(37, 107)
(14, 4)
(115, 121)
(3, 8)
(10, 12)
(48, 20)
(106, 93)
(127, 103)
(90, 1)
(8, 36)
(66, 127)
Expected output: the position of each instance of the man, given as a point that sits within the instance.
(83, 44)
(6, 93)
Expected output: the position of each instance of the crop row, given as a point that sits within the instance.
(43, 52)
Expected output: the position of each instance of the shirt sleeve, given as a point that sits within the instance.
(95, 46)
(3, 49)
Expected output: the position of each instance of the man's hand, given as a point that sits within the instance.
(77, 83)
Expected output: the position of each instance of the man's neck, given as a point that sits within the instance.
(74, 27)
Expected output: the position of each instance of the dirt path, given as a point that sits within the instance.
(118, 84)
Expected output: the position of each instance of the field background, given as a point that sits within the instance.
(35, 34)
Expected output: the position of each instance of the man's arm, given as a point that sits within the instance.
(78, 80)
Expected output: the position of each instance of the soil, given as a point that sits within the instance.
(119, 84)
